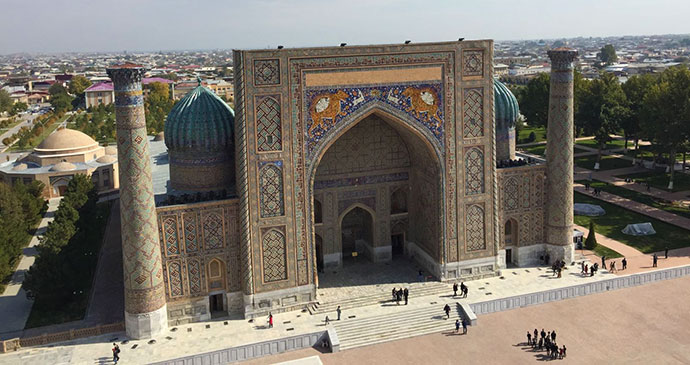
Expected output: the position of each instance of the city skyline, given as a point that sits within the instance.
(88, 26)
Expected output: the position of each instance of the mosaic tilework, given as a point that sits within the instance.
(175, 279)
(194, 275)
(327, 107)
(274, 256)
(524, 231)
(190, 232)
(473, 112)
(473, 63)
(474, 171)
(271, 195)
(213, 231)
(510, 194)
(266, 72)
(170, 236)
(524, 192)
(475, 238)
(538, 190)
(268, 124)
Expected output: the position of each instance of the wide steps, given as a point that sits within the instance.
(398, 325)
(381, 297)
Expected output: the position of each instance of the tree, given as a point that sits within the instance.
(602, 109)
(56, 89)
(607, 54)
(157, 106)
(591, 241)
(534, 100)
(78, 84)
(5, 101)
(18, 107)
(635, 89)
(666, 113)
(61, 102)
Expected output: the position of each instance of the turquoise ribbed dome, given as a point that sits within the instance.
(506, 107)
(200, 121)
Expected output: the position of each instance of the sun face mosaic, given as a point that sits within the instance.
(327, 107)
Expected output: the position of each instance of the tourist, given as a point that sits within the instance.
(116, 353)
(603, 262)
(612, 267)
(553, 335)
(455, 290)
(338, 311)
(543, 333)
(406, 293)
(463, 288)
(586, 269)
(666, 253)
(395, 293)
(582, 267)
(457, 325)
(327, 321)
(654, 260)
(564, 351)
(624, 263)
(420, 276)
(586, 186)
(529, 338)
(464, 327)
(447, 310)
(536, 334)
(270, 320)
(541, 344)
(398, 296)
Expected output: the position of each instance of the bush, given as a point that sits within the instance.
(532, 137)
(591, 242)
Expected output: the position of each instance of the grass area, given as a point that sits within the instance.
(616, 218)
(646, 153)
(46, 313)
(536, 150)
(616, 143)
(539, 132)
(602, 250)
(640, 198)
(659, 179)
(35, 141)
(607, 162)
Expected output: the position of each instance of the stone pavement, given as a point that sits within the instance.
(645, 209)
(218, 335)
(14, 306)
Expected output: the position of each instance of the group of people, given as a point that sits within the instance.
(463, 290)
(587, 270)
(546, 341)
(557, 267)
(401, 294)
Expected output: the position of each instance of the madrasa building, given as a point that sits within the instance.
(370, 151)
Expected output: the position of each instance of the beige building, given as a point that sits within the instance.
(58, 158)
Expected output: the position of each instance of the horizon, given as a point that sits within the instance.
(83, 26)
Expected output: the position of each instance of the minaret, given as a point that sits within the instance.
(145, 307)
(559, 157)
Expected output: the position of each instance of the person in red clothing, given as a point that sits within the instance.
(270, 320)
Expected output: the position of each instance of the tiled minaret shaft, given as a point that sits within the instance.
(145, 306)
(559, 157)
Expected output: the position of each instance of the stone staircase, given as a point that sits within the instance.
(380, 295)
(366, 331)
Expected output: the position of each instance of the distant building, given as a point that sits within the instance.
(221, 88)
(58, 158)
(102, 92)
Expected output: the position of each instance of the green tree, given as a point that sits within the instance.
(591, 241)
(61, 102)
(57, 89)
(78, 84)
(534, 100)
(5, 101)
(607, 54)
(602, 109)
(18, 107)
(666, 113)
(635, 88)
(157, 106)
(13, 233)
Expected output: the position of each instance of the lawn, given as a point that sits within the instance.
(616, 143)
(540, 134)
(35, 141)
(602, 250)
(536, 150)
(607, 162)
(659, 179)
(640, 198)
(616, 218)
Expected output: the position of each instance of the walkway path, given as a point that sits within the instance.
(610, 176)
(617, 246)
(14, 306)
(645, 209)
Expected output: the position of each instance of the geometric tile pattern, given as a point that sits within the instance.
(175, 279)
(266, 72)
(170, 233)
(274, 256)
(524, 191)
(194, 275)
(474, 228)
(213, 231)
(473, 111)
(538, 190)
(474, 171)
(271, 185)
(510, 194)
(190, 234)
(268, 129)
(473, 63)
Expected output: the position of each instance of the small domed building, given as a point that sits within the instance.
(63, 154)
(199, 138)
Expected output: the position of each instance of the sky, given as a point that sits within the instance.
(49, 26)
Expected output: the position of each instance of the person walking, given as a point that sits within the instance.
(116, 353)
(612, 267)
(455, 290)
(553, 335)
(447, 310)
(327, 320)
(398, 294)
(624, 263)
(464, 289)
(406, 294)
(338, 311)
(603, 262)
(564, 351)
(457, 325)
(536, 334)
(529, 338)
(666, 253)
(464, 327)
(654, 260)
(543, 333)
(395, 293)
(270, 320)
(586, 269)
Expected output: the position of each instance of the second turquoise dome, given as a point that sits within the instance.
(506, 107)
(200, 121)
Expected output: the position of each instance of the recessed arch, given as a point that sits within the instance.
(215, 271)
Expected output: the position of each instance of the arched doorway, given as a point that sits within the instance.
(216, 287)
(388, 168)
